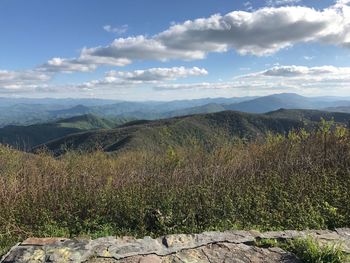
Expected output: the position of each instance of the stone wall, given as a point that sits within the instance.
(229, 246)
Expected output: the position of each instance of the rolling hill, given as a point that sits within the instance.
(206, 129)
(26, 137)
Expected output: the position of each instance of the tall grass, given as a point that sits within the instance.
(297, 181)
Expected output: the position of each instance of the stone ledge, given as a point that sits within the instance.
(205, 247)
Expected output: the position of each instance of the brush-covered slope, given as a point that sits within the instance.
(203, 128)
(25, 137)
(206, 129)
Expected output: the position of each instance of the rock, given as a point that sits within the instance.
(42, 241)
(228, 246)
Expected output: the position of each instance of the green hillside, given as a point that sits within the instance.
(205, 129)
(299, 181)
(25, 137)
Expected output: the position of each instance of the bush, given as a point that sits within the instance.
(310, 251)
(298, 181)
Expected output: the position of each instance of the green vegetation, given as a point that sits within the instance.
(309, 250)
(207, 129)
(298, 181)
(25, 137)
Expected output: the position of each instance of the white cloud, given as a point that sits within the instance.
(22, 80)
(66, 66)
(85, 63)
(316, 73)
(197, 86)
(141, 48)
(248, 6)
(281, 2)
(303, 80)
(308, 57)
(142, 77)
(116, 30)
(157, 74)
(261, 32)
(322, 80)
(300, 79)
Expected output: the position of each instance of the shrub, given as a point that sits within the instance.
(310, 251)
(307, 249)
(286, 182)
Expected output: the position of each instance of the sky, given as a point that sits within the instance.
(167, 50)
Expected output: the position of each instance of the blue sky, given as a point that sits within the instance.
(238, 48)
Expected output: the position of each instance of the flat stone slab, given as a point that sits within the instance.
(228, 246)
(42, 241)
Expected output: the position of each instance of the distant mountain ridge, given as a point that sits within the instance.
(76, 110)
(344, 108)
(204, 128)
(26, 137)
(32, 111)
(158, 110)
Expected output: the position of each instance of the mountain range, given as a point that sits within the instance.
(115, 125)
(204, 129)
(32, 111)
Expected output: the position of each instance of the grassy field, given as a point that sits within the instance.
(298, 181)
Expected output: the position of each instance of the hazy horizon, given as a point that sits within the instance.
(171, 100)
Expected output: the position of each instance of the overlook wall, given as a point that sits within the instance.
(212, 247)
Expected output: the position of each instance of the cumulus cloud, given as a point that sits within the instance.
(116, 30)
(316, 73)
(261, 32)
(22, 80)
(304, 80)
(290, 78)
(147, 76)
(67, 65)
(141, 48)
(157, 74)
(300, 79)
(85, 63)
